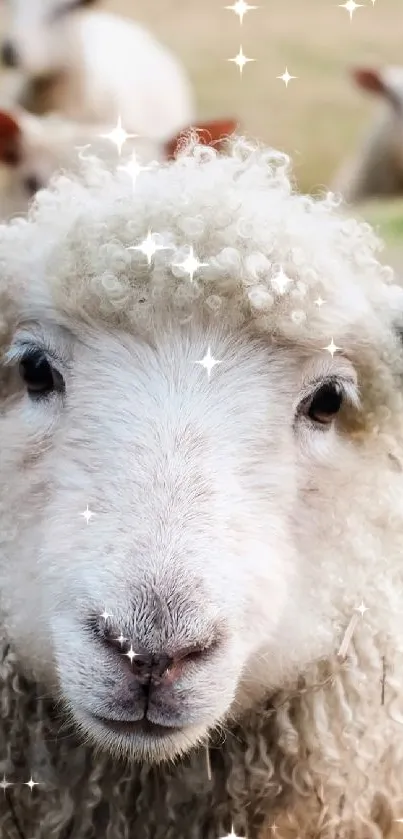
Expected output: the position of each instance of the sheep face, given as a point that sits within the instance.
(175, 543)
(35, 35)
(189, 483)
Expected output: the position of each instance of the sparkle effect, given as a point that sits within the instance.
(105, 615)
(231, 835)
(87, 514)
(118, 136)
(350, 6)
(31, 783)
(240, 8)
(191, 264)
(286, 78)
(331, 348)
(131, 654)
(148, 247)
(4, 784)
(121, 639)
(208, 362)
(319, 302)
(280, 282)
(361, 609)
(133, 168)
(240, 60)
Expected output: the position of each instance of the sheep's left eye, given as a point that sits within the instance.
(325, 403)
(39, 377)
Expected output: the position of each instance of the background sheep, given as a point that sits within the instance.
(94, 67)
(33, 149)
(377, 168)
(237, 518)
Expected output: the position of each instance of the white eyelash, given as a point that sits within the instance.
(16, 353)
(348, 388)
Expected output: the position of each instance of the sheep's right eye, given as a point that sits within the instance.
(40, 378)
(326, 403)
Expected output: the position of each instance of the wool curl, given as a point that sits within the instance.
(76, 256)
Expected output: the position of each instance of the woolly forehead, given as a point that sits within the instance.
(285, 264)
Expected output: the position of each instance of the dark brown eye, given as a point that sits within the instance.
(326, 403)
(40, 378)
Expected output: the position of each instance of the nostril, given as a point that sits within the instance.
(9, 55)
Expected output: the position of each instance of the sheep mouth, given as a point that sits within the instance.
(143, 727)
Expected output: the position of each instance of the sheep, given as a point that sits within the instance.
(92, 66)
(33, 149)
(376, 170)
(200, 509)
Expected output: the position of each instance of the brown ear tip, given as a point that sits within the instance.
(368, 78)
(8, 122)
(10, 137)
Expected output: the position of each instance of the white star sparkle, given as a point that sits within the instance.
(240, 60)
(87, 514)
(208, 362)
(118, 136)
(331, 348)
(350, 7)
(280, 282)
(319, 302)
(361, 609)
(286, 78)
(231, 835)
(191, 264)
(148, 247)
(273, 827)
(133, 168)
(4, 784)
(131, 654)
(121, 638)
(105, 615)
(31, 783)
(240, 8)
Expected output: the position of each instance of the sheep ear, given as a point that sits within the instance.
(376, 81)
(213, 133)
(10, 139)
(369, 79)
